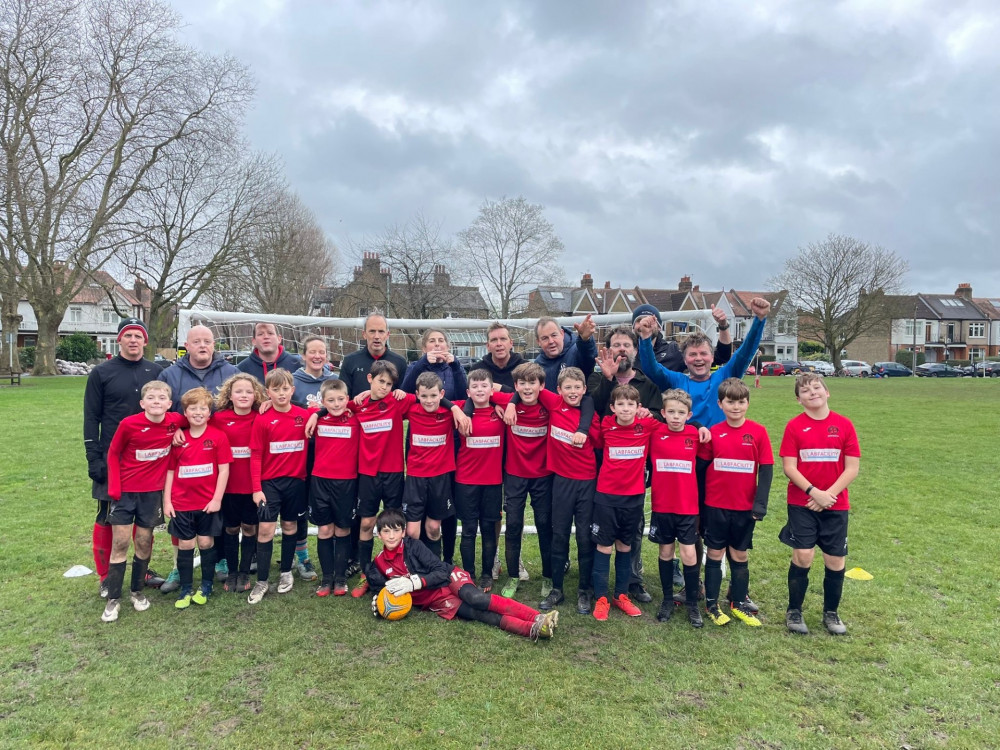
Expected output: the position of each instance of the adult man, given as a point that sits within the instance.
(562, 349)
(202, 366)
(500, 359)
(354, 369)
(113, 392)
(668, 352)
(618, 368)
(268, 353)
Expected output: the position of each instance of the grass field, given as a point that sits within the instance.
(919, 667)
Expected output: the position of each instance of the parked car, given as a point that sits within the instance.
(466, 362)
(772, 368)
(823, 368)
(986, 370)
(855, 368)
(891, 370)
(791, 367)
(938, 370)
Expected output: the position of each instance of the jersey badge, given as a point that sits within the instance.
(747, 439)
(299, 421)
(832, 430)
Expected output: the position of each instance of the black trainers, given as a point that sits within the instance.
(554, 598)
(833, 624)
(154, 579)
(353, 568)
(795, 623)
(665, 612)
(637, 592)
(584, 602)
(694, 616)
(747, 605)
(680, 597)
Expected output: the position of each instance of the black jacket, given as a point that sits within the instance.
(354, 369)
(419, 561)
(113, 392)
(599, 388)
(502, 375)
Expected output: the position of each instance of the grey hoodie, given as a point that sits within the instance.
(307, 387)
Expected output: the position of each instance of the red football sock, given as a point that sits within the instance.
(513, 625)
(503, 606)
(102, 549)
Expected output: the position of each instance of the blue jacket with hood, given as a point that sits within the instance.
(576, 353)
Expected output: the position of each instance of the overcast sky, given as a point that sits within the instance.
(663, 138)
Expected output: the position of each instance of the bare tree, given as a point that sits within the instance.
(513, 248)
(839, 287)
(94, 95)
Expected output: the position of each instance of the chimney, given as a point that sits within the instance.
(685, 285)
(607, 284)
(441, 276)
(587, 282)
(964, 291)
(697, 288)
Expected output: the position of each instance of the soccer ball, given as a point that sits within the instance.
(393, 607)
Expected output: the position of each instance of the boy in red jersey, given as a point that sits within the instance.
(333, 487)
(236, 409)
(569, 455)
(137, 470)
(479, 478)
(821, 456)
(278, 477)
(621, 492)
(673, 453)
(405, 565)
(192, 496)
(737, 483)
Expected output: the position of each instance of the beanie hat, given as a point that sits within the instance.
(132, 324)
(646, 310)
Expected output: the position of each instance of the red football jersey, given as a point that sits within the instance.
(137, 458)
(278, 445)
(337, 440)
(527, 440)
(623, 470)
(237, 429)
(381, 444)
(432, 442)
(562, 457)
(196, 468)
(674, 456)
(480, 456)
(820, 445)
(735, 453)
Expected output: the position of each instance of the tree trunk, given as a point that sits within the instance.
(48, 339)
(8, 356)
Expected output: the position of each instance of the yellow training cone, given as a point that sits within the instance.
(858, 574)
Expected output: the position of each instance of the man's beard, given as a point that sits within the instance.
(625, 364)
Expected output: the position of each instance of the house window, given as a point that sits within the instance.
(109, 315)
(782, 327)
(556, 295)
(910, 324)
(978, 330)
(75, 315)
(977, 353)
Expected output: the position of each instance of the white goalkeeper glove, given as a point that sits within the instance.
(402, 585)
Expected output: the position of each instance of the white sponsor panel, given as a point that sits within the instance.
(483, 442)
(819, 455)
(241, 451)
(734, 465)
(528, 432)
(563, 436)
(287, 446)
(151, 454)
(377, 425)
(198, 470)
(334, 431)
(626, 452)
(428, 441)
(673, 465)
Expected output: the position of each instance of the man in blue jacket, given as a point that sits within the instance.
(561, 348)
(202, 366)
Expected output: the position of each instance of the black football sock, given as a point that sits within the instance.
(264, 552)
(220, 547)
(740, 584)
(185, 569)
(434, 545)
(208, 558)
(666, 577)
(116, 576)
(602, 570)
(354, 549)
(467, 547)
(833, 588)
(691, 585)
(365, 548)
(713, 581)
(341, 548)
(543, 528)
(798, 584)
(288, 543)
(449, 532)
(231, 546)
(488, 533)
(325, 553)
(248, 545)
(623, 571)
(139, 568)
